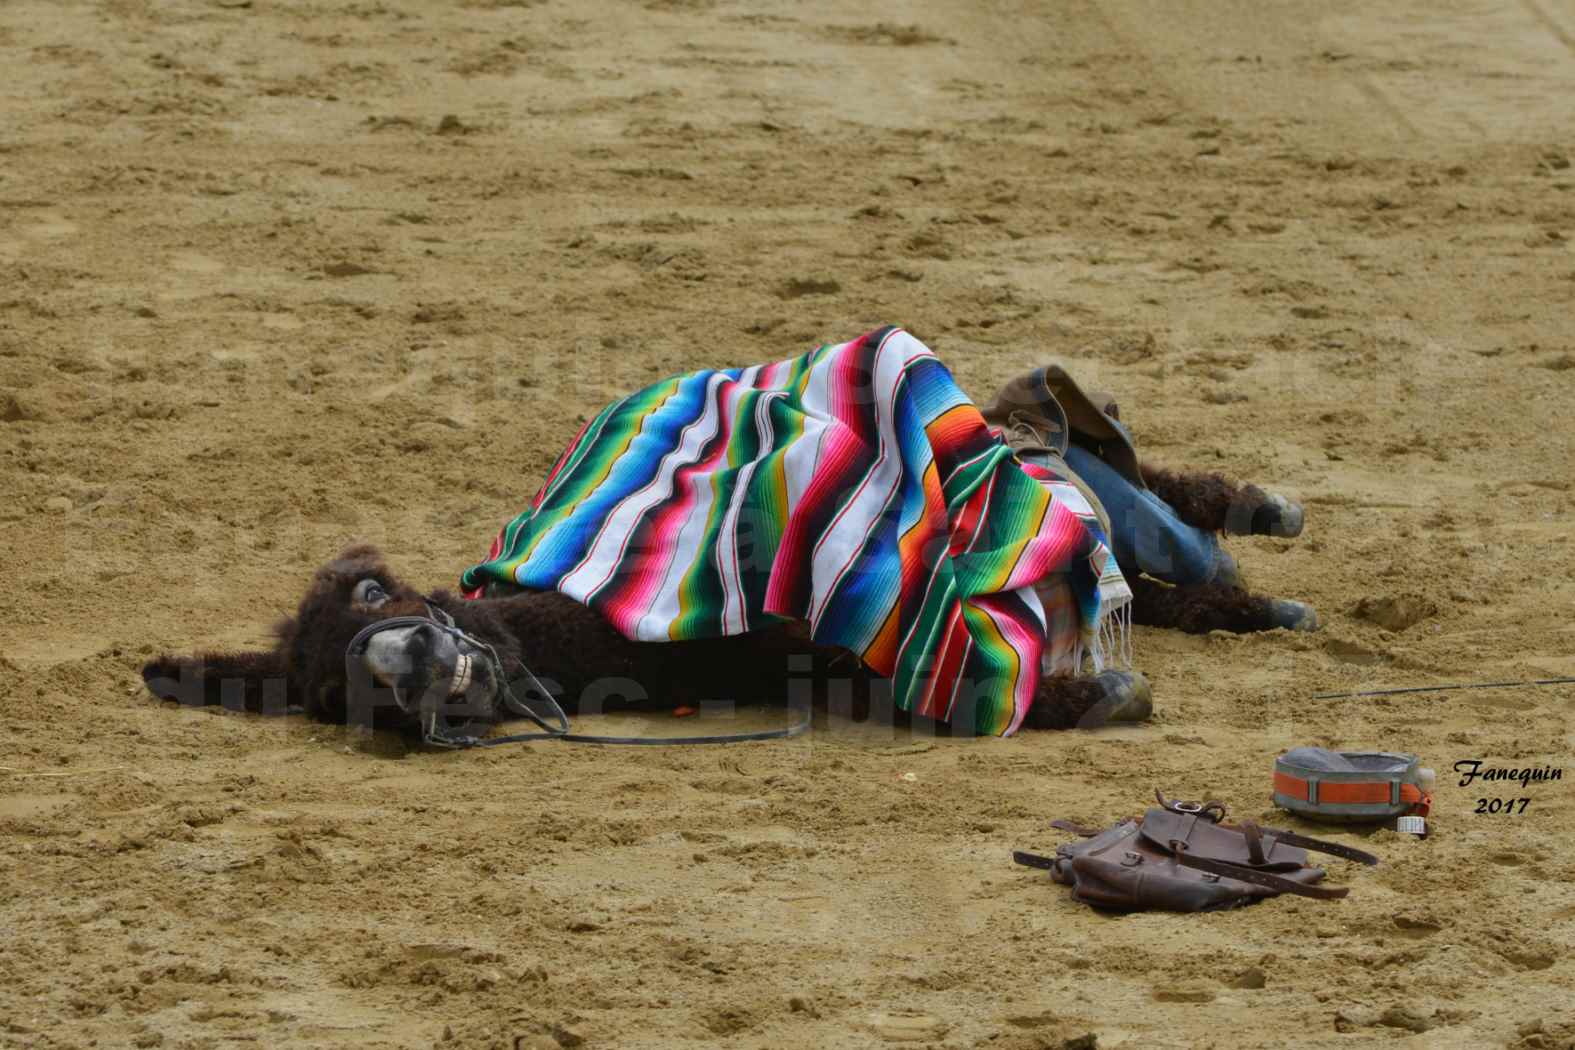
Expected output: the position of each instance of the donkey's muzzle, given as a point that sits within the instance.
(448, 680)
(412, 658)
(432, 671)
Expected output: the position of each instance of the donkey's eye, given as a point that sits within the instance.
(369, 592)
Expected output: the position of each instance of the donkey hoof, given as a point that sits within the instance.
(1281, 517)
(1293, 616)
(1127, 698)
(1265, 514)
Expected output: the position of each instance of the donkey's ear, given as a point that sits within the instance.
(236, 681)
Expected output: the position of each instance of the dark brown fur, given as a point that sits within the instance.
(1215, 503)
(1204, 500)
(1200, 608)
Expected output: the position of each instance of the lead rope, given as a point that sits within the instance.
(437, 736)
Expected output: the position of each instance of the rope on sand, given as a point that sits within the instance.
(10, 771)
(1443, 688)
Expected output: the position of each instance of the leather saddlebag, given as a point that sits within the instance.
(1181, 856)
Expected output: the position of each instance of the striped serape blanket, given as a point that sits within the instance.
(856, 488)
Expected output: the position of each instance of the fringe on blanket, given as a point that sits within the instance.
(1111, 645)
(1103, 626)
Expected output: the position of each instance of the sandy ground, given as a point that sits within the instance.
(280, 274)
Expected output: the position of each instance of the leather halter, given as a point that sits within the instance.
(432, 732)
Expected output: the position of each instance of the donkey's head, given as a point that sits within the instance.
(397, 675)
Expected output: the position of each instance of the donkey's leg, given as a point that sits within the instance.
(1218, 504)
(1201, 608)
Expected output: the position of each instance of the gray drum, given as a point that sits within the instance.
(1351, 786)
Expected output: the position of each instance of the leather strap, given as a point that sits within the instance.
(1241, 873)
(1214, 811)
(1254, 839)
(1256, 833)
(1033, 860)
(1290, 838)
(1076, 829)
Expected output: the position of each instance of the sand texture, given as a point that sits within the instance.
(276, 275)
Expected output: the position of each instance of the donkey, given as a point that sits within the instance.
(588, 665)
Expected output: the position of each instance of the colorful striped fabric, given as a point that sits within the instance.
(856, 488)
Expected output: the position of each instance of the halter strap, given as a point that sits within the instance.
(437, 736)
